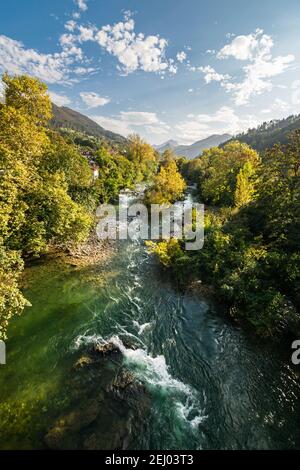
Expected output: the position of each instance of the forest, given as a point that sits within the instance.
(48, 195)
(48, 198)
(251, 254)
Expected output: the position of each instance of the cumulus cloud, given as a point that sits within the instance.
(256, 49)
(52, 68)
(224, 120)
(257, 77)
(134, 51)
(248, 47)
(58, 99)
(210, 75)
(93, 100)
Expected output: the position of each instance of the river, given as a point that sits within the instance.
(212, 385)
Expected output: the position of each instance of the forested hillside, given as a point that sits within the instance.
(270, 133)
(68, 118)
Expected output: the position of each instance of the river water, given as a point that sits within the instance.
(212, 385)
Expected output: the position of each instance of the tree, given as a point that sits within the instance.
(12, 301)
(219, 171)
(245, 189)
(116, 172)
(42, 186)
(168, 185)
(143, 157)
(28, 96)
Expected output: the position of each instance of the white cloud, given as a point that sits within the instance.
(256, 49)
(210, 75)
(67, 40)
(82, 4)
(181, 56)
(257, 77)
(134, 51)
(84, 70)
(112, 124)
(59, 100)
(93, 100)
(247, 47)
(71, 25)
(279, 109)
(224, 120)
(139, 118)
(52, 68)
(86, 34)
(128, 122)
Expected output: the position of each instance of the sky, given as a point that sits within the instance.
(164, 69)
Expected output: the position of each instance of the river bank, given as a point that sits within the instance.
(206, 383)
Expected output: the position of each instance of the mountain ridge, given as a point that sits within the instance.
(269, 133)
(64, 117)
(194, 150)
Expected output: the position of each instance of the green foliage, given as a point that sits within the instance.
(167, 251)
(143, 157)
(116, 172)
(251, 253)
(12, 301)
(28, 96)
(270, 133)
(220, 170)
(168, 185)
(244, 191)
(46, 189)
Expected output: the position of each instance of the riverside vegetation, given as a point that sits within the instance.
(251, 253)
(48, 195)
(114, 355)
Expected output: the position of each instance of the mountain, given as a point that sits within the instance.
(196, 149)
(169, 145)
(68, 118)
(269, 133)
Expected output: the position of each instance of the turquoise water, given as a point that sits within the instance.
(211, 384)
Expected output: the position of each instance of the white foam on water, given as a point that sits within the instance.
(187, 412)
(85, 340)
(155, 371)
(142, 328)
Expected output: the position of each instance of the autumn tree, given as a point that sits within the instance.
(219, 170)
(41, 180)
(168, 185)
(143, 157)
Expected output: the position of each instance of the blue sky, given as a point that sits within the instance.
(164, 69)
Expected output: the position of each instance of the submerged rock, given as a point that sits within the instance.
(106, 349)
(64, 434)
(108, 404)
(83, 361)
